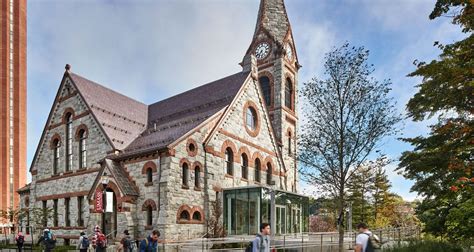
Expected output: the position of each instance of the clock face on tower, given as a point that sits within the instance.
(262, 50)
(289, 52)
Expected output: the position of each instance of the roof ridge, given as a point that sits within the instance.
(193, 89)
(109, 89)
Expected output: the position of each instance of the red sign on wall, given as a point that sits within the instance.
(98, 201)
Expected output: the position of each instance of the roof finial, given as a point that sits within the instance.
(68, 67)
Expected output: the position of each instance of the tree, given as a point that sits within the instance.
(346, 115)
(360, 188)
(215, 226)
(446, 155)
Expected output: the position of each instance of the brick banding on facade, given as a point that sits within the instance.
(149, 165)
(149, 203)
(242, 140)
(192, 147)
(80, 128)
(62, 195)
(231, 145)
(252, 132)
(65, 113)
(55, 137)
(76, 173)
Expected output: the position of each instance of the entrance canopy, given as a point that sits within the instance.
(245, 208)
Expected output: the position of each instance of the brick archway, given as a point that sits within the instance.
(231, 145)
(149, 203)
(147, 165)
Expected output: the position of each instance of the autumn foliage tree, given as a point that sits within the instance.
(441, 164)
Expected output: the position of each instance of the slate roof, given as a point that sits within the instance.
(121, 117)
(171, 118)
(134, 127)
(122, 178)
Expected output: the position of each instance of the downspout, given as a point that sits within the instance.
(206, 189)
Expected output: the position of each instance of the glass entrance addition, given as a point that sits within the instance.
(280, 225)
(245, 208)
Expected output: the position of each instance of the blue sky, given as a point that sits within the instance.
(150, 50)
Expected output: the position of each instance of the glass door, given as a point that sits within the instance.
(280, 219)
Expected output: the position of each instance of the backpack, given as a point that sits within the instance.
(101, 241)
(127, 243)
(373, 243)
(20, 239)
(249, 247)
(85, 242)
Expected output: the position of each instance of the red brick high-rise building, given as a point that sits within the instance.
(12, 101)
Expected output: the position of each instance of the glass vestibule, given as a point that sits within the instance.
(246, 208)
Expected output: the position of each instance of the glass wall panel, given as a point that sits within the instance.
(242, 212)
(254, 210)
(266, 205)
(229, 210)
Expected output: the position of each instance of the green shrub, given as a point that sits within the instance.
(426, 246)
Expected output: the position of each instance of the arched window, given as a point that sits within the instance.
(269, 174)
(197, 216)
(82, 149)
(266, 89)
(55, 156)
(288, 93)
(245, 165)
(251, 118)
(68, 141)
(229, 160)
(257, 170)
(184, 215)
(185, 174)
(149, 216)
(149, 175)
(197, 177)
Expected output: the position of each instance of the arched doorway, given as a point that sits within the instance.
(109, 220)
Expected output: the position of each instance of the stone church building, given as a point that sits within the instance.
(166, 164)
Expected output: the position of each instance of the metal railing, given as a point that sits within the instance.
(321, 241)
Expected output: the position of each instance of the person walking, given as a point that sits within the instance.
(48, 240)
(365, 240)
(150, 244)
(99, 241)
(127, 242)
(84, 242)
(261, 243)
(20, 240)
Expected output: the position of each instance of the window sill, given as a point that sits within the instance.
(149, 184)
(68, 172)
(56, 175)
(184, 187)
(197, 188)
(228, 176)
(148, 227)
(244, 179)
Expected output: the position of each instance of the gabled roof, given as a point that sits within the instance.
(122, 118)
(120, 176)
(171, 118)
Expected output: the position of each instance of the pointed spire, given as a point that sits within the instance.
(273, 18)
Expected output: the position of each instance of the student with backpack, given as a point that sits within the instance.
(127, 243)
(365, 240)
(48, 240)
(99, 241)
(84, 243)
(261, 243)
(20, 240)
(150, 244)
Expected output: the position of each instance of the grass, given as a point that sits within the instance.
(426, 246)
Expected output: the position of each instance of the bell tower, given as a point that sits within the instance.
(274, 49)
